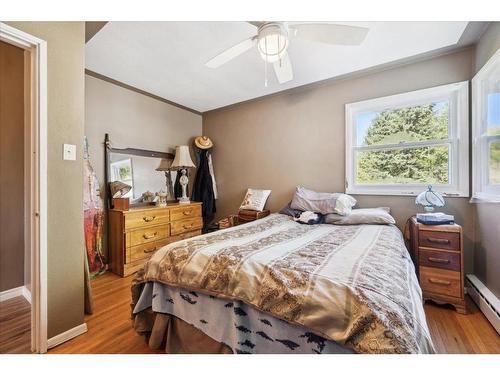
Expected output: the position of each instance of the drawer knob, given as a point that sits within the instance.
(187, 226)
(150, 250)
(438, 260)
(439, 282)
(187, 212)
(438, 240)
(149, 236)
(147, 219)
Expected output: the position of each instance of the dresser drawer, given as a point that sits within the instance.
(178, 227)
(149, 234)
(440, 281)
(439, 240)
(184, 236)
(182, 213)
(440, 259)
(145, 250)
(143, 218)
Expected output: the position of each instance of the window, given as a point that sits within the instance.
(400, 144)
(486, 131)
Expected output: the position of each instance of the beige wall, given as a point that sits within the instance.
(487, 215)
(66, 47)
(132, 120)
(11, 166)
(297, 137)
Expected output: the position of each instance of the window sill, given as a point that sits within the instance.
(485, 199)
(403, 193)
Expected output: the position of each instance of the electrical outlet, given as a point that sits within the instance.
(69, 152)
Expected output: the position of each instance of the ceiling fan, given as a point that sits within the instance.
(273, 38)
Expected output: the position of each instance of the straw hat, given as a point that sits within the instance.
(203, 142)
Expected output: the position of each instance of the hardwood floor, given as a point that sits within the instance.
(110, 329)
(15, 326)
(455, 333)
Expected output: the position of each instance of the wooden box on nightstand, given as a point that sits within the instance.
(437, 251)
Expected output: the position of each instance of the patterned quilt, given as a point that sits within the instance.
(355, 285)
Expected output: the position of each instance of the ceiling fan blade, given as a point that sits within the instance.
(231, 53)
(257, 24)
(283, 69)
(330, 33)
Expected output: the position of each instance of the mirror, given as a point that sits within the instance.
(143, 170)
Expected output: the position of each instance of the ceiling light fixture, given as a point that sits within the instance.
(272, 41)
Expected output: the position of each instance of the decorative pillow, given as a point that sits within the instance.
(324, 203)
(287, 210)
(380, 215)
(255, 199)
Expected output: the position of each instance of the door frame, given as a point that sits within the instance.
(37, 189)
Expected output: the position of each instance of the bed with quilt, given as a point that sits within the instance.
(277, 286)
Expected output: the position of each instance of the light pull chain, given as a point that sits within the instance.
(277, 36)
(265, 64)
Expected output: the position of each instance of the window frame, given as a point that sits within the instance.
(457, 95)
(481, 190)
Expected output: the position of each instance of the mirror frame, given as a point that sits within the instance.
(128, 151)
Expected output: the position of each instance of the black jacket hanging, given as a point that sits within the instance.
(203, 190)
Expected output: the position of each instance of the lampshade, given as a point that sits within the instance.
(165, 165)
(119, 189)
(182, 158)
(430, 199)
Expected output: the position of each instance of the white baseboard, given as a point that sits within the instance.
(65, 336)
(26, 294)
(487, 302)
(11, 293)
(16, 292)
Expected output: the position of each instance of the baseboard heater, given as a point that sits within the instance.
(487, 302)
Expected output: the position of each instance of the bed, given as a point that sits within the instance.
(277, 286)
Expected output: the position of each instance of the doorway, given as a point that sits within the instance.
(15, 284)
(23, 192)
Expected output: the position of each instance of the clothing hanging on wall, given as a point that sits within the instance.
(93, 213)
(212, 174)
(203, 188)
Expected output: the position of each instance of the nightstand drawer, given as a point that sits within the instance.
(181, 213)
(182, 226)
(440, 281)
(439, 240)
(440, 259)
(146, 235)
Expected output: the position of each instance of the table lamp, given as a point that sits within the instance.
(430, 199)
(182, 162)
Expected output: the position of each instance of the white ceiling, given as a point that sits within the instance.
(167, 58)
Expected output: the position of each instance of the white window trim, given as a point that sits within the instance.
(481, 191)
(458, 96)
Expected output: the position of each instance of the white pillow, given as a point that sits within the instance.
(380, 215)
(255, 199)
(323, 203)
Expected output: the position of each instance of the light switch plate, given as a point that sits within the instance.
(69, 152)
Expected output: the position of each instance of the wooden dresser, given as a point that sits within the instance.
(135, 235)
(438, 255)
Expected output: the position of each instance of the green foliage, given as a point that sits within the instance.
(495, 163)
(426, 165)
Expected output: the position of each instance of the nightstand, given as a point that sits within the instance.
(246, 216)
(437, 251)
